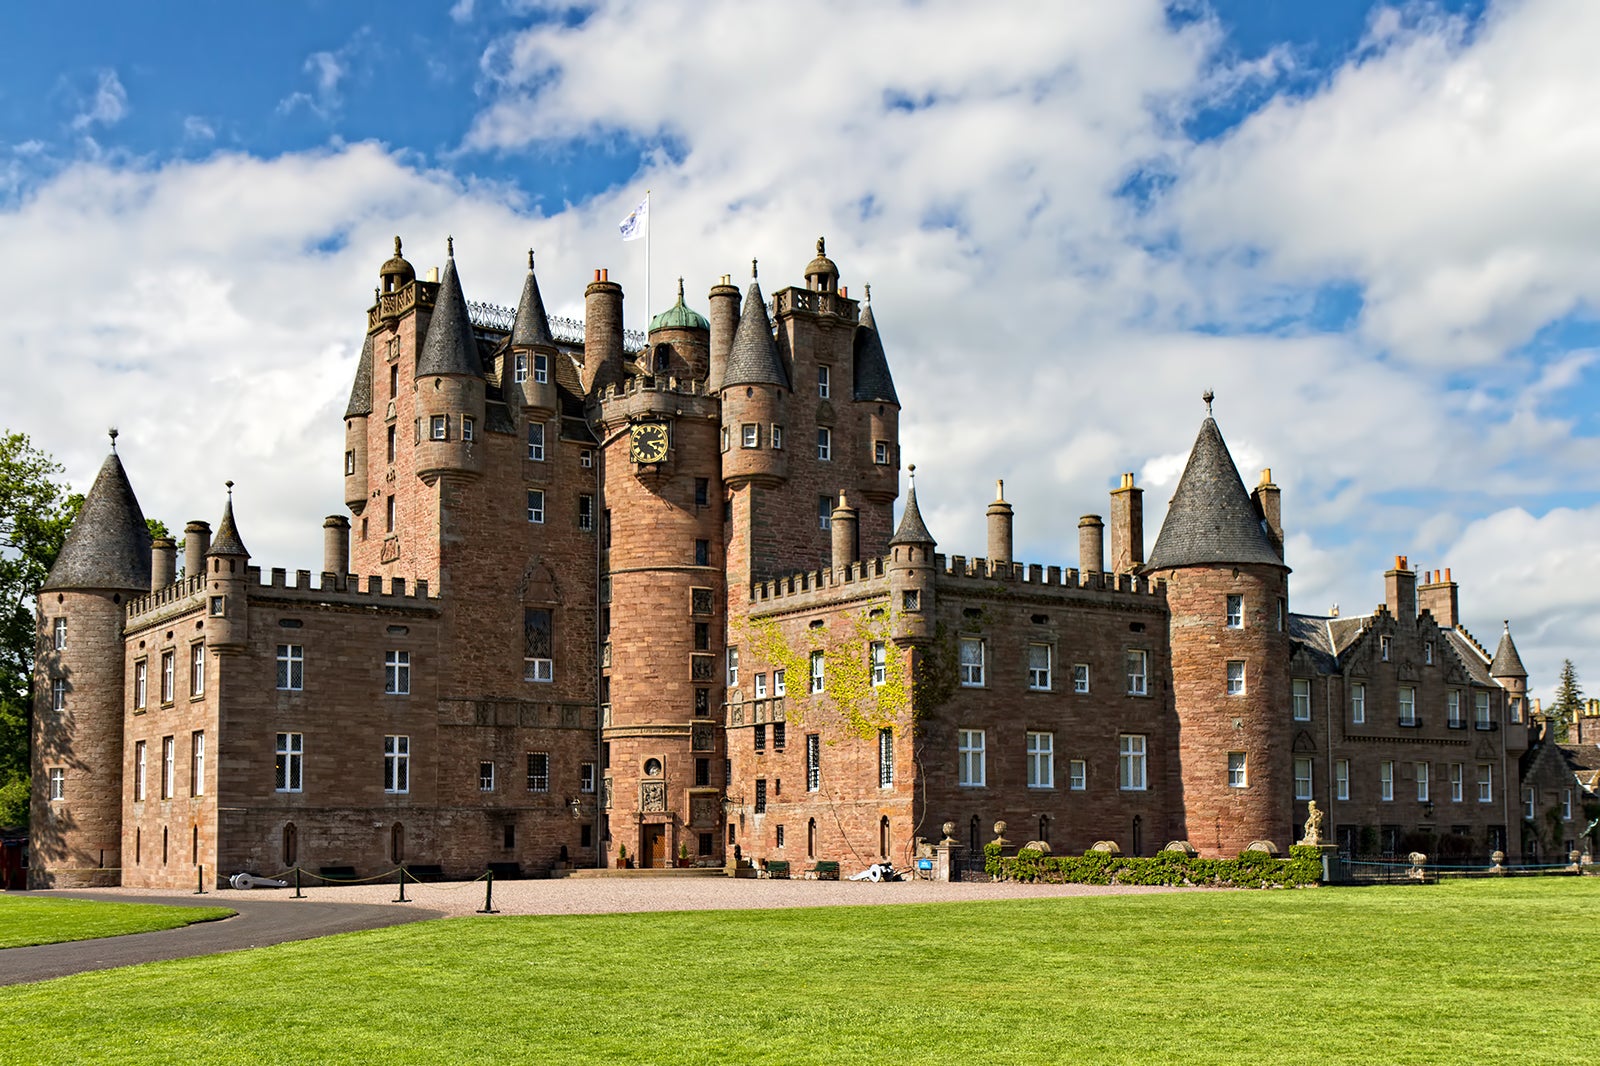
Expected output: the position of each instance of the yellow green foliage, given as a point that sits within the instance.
(863, 708)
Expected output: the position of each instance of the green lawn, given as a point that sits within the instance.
(1477, 972)
(28, 920)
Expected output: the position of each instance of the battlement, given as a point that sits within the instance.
(649, 383)
(419, 295)
(186, 593)
(808, 301)
(811, 588)
(1054, 577)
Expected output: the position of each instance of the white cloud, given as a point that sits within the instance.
(196, 128)
(461, 10)
(107, 107)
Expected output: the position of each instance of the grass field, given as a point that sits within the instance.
(1479, 972)
(28, 920)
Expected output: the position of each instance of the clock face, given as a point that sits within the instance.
(648, 442)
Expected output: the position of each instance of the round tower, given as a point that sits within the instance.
(680, 343)
(878, 465)
(602, 333)
(79, 688)
(912, 575)
(724, 306)
(227, 586)
(754, 391)
(1506, 668)
(449, 386)
(1227, 590)
(356, 413)
(532, 374)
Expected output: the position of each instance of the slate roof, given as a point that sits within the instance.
(108, 546)
(1471, 657)
(361, 391)
(531, 327)
(450, 347)
(1309, 635)
(753, 356)
(1507, 663)
(912, 529)
(1211, 519)
(227, 541)
(873, 382)
(1343, 632)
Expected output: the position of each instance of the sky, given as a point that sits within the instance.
(1368, 227)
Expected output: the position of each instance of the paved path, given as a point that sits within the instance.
(259, 922)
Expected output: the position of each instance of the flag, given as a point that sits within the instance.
(633, 227)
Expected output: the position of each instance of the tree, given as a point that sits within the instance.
(1569, 701)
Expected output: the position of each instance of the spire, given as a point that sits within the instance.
(753, 359)
(227, 541)
(1211, 519)
(450, 347)
(912, 529)
(108, 546)
(873, 382)
(361, 391)
(1507, 663)
(531, 328)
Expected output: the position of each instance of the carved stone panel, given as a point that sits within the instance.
(703, 809)
(653, 796)
(701, 737)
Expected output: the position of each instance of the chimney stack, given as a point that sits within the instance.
(196, 542)
(163, 563)
(602, 332)
(1439, 597)
(1127, 527)
(1000, 516)
(724, 318)
(1400, 589)
(1265, 496)
(1091, 544)
(336, 545)
(842, 526)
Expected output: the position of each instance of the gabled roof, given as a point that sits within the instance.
(1507, 663)
(450, 347)
(1471, 656)
(1345, 631)
(531, 327)
(227, 541)
(753, 356)
(912, 529)
(361, 391)
(1309, 635)
(1211, 519)
(108, 546)
(873, 381)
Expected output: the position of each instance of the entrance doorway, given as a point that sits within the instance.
(653, 852)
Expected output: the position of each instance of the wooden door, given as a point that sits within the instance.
(655, 847)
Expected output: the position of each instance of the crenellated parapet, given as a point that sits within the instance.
(354, 590)
(958, 569)
(825, 587)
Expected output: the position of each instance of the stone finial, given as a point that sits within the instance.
(112, 433)
(229, 486)
(397, 246)
(450, 247)
(949, 829)
(530, 258)
(1208, 396)
(753, 273)
(869, 294)
(820, 246)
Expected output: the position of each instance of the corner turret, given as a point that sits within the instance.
(356, 413)
(912, 574)
(532, 353)
(227, 606)
(449, 387)
(873, 387)
(754, 387)
(679, 343)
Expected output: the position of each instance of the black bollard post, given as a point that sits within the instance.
(297, 894)
(200, 878)
(402, 899)
(488, 895)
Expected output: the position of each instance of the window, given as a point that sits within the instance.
(1130, 762)
(541, 368)
(702, 701)
(388, 515)
(396, 764)
(538, 771)
(733, 667)
(388, 445)
(971, 662)
(1408, 705)
(1422, 782)
(468, 427)
(1080, 678)
(823, 376)
(1480, 709)
(1386, 780)
(537, 661)
(761, 686)
(1236, 770)
(138, 770)
(394, 381)
(58, 694)
(702, 552)
(439, 427)
(1077, 775)
(197, 669)
(760, 739)
(536, 506)
(1485, 783)
(1235, 611)
(486, 776)
(880, 662)
(586, 777)
(725, 448)
(60, 632)
(777, 437)
(586, 513)
(169, 761)
(1383, 648)
(140, 684)
(911, 600)
(1529, 803)
(778, 686)
(880, 452)
(1236, 678)
(1427, 653)
(761, 797)
(586, 461)
(702, 492)
(702, 636)
(1457, 791)
(519, 372)
(824, 512)
(813, 762)
(397, 673)
(1452, 707)
(1566, 804)
(1039, 667)
(750, 435)
(778, 731)
(885, 758)
(1358, 703)
(824, 443)
(818, 669)
(58, 783)
(291, 667)
(1137, 663)
(970, 769)
(1301, 687)
(217, 601)
(169, 675)
(536, 441)
(1041, 760)
(197, 764)
(287, 773)
(1341, 779)
(1302, 779)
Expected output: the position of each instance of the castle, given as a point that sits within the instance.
(603, 598)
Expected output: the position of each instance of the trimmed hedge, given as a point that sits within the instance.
(1252, 869)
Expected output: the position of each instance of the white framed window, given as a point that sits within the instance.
(1138, 672)
(1457, 788)
(733, 667)
(1080, 678)
(880, 662)
(724, 438)
(288, 771)
(58, 693)
(777, 437)
(1566, 804)
(1235, 611)
(824, 512)
(519, 372)
(813, 762)
(350, 463)
(824, 443)
(197, 763)
(1236, 678)
(138, 769)
(1358, 703)
(439, 427)
(1237, 775)
(1452, 709)
(972, 662)
(169, 764)
(970, 768)
(1529, 803)
(1301, 694)
(750, 435)
(885, 758)
(1131, 762)
(1386, 780)
(818, 672)
(1302, 779)
(1383, 648)
(197, 669)
(291, 667)
(538, 771)
(486, 776)
(779, 688)
(1041, 760)
(586, 459)
(761, 686)
(58, 783)
(538, 643)
(397, 673)
(1427, 652)
(397, 764)
(1341, 779)
(1077, 775)
(536, 506)
(1485, 783)
(536, 441)
(880, 452)
(1480, 709)
(586, 777)
(541, 368)
(468, 428)
(141, 684)
(1422, 782)
(586, 513)
(823, 377)
(1039, 667)
(1408, 705)
(169, 675)
(59, 631)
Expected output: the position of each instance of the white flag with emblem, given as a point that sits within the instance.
(634, 226)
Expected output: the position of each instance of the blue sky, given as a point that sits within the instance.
(1369, 227)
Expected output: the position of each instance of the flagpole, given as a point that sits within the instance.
(647, 263)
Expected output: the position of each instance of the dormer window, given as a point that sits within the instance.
(520, 373)
(439, 427)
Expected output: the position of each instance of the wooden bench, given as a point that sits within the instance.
(778, 868)
(822, 870)
(337, 873)
(506, 871)
(425, 872)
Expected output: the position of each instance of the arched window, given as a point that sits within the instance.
(291, 845)
(397, 844)
(883, 836)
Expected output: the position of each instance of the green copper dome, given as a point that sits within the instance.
(679, 316)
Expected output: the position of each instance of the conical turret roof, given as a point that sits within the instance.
(361, 391)
(227, 541)
(450, 347)
(108, 546)
(873, 382)
(753, 357)
(531, 328)
(1507, 663)
(912, 529)
(1211, 519)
